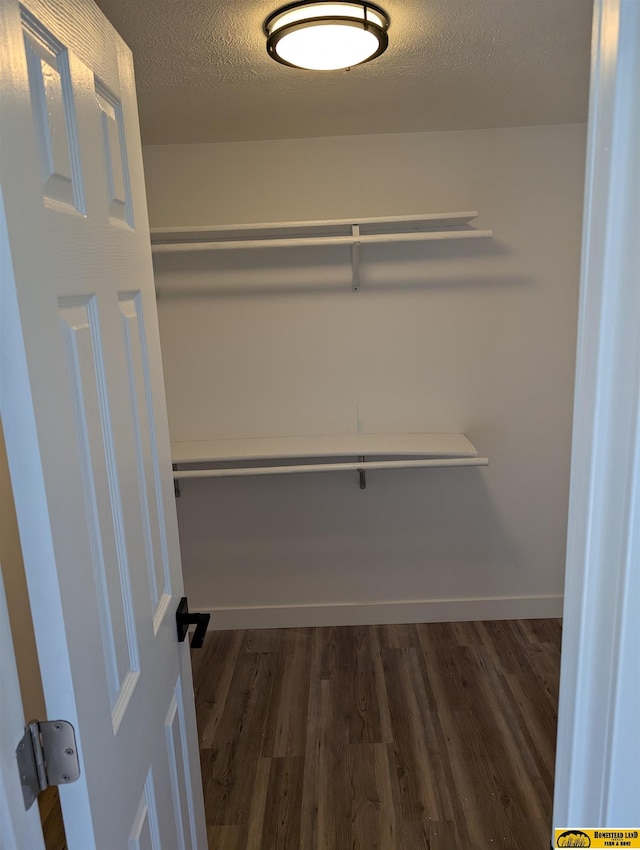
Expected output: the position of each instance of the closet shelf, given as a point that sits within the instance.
(364, 231)
(309, 454)
(273, 234)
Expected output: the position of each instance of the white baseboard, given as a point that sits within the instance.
(378, 613)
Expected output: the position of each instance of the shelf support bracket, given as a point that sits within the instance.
(355, 258)
(362, 474)
(176, 482)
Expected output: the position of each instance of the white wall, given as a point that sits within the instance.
(473, 336)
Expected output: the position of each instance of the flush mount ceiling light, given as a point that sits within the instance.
(326, 36)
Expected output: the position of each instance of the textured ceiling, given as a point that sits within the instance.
(203, 73)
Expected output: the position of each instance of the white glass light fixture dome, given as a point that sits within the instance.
(325, 36)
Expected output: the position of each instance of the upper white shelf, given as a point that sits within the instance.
(287, 234)
(306, 454)
(295, 234)
(333, 445)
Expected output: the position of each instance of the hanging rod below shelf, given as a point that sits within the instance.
(308, 241)
(330, 467)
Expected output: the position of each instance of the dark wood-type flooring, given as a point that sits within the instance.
(51, 818)
(407, 737)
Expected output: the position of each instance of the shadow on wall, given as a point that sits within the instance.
(411, 535)
(302, 270)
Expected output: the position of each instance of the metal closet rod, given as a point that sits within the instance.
(308, 241)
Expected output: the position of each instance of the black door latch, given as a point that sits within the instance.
(184, 619)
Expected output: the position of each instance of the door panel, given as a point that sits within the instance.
(157, 554)
(145, 832)
(115, 155)
(86, 431)
(103, 506)
(53, 113)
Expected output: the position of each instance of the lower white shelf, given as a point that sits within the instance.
(318, 453)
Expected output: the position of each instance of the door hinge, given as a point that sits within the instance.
(46, 755)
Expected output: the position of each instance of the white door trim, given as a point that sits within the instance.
(36, 546)
(18, 828)
(599, 728)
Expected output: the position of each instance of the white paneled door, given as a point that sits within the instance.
(85, 423)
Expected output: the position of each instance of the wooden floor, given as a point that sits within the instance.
(438, 736)
(51, 819)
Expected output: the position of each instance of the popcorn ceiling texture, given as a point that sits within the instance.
(203, 74)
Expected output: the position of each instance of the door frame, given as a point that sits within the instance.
(18, 828)
(598, 729)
